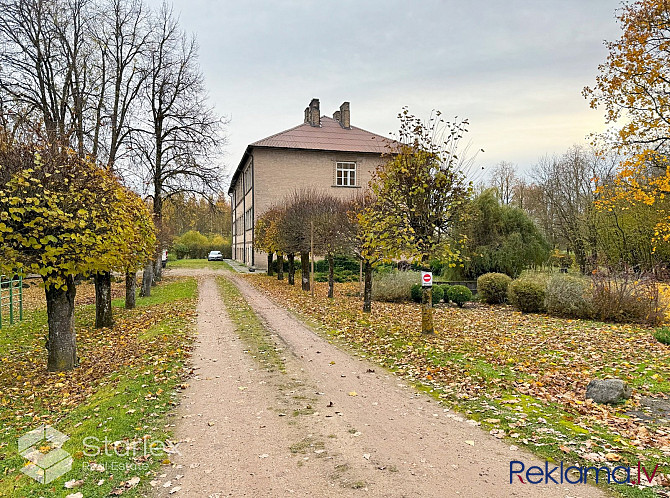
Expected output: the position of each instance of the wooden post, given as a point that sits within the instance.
(20, 298)
(11, 301)
(311, 252)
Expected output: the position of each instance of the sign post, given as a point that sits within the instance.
(426, 279)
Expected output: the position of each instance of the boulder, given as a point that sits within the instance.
(608, 391)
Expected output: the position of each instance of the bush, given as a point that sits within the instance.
(339, 276)
(662, 335)
(492, 287)
(569, 297)
(438, 294)
(395, 286)
(627, 297)
(527, 295)
(340, 263)
(458, 294)
(416, 292)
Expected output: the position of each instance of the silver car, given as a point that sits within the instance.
(215, 256)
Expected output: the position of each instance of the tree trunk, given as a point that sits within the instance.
(331, 276)
(270, 271)
(367, 287)
(280, 266)
(62, 342)
(103, 300)
(158, 269)
(304, 266)
(131, 286)
(147, 279)
(291, 268)
(427, 311)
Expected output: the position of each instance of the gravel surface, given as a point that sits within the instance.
(332, 425)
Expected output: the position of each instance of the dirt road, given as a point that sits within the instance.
(332, 425)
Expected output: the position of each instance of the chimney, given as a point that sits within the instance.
(313, 114)
(336, 116)
(345, 115)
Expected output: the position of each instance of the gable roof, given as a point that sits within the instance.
(330, 136)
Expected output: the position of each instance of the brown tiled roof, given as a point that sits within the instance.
(329, 136)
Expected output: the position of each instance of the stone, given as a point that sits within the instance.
(608, 391)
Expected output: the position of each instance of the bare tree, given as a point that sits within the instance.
(504, 180)
(331, 229)
(182, 132)
(43, 66)
(569, 188)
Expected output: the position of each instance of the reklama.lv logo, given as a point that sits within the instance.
(559, 474)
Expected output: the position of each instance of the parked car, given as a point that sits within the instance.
(215, 256)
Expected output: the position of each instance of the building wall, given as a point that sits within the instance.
(277, 173)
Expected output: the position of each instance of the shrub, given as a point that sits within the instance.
(438, 294)
(458, 294)
(393, 287)
(527, 295)
(569, 297)
(627, 297)
(492, 287)
(415, 293)
(340, 263)
(662, 335)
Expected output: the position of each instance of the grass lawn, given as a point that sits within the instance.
(112, 406)
(522, 376)
(198, 264)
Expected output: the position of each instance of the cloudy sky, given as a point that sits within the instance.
(514, 68)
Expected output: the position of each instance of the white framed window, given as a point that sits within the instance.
(345, 174)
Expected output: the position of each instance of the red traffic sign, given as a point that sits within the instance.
(426, 279)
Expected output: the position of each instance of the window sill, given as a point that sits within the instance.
(346, 186)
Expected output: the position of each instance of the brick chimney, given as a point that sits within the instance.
(345, 115)
(313, 113)
(336, 116)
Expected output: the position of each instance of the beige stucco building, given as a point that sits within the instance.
(322, 153)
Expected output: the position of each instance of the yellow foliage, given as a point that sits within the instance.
(62, 215)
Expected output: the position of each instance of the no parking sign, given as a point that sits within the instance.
(426, 279)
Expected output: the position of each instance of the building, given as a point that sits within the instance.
(321, 153)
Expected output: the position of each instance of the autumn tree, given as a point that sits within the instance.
(632, 88)
(266, 237)
(59, 218)
(420, 193)
(294, 231)
(366, 236)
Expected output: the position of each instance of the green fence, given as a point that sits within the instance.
(11, 299)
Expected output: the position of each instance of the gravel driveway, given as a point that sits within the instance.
(332, 425)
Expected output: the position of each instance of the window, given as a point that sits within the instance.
(345, 174)
(249, 219)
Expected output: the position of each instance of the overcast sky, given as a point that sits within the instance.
(515, 69)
